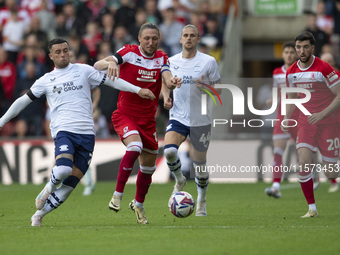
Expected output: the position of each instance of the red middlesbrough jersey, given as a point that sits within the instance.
(141, 71)
(318, 78)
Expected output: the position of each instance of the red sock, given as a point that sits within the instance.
(333, 181)
(143, 183)
(125, 169)
(277, 174)
(308, 192)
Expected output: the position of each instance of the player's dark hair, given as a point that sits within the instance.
(305, 36)
(289, 44)
(56, 41)
(148, 25)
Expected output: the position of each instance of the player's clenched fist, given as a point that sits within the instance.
(176, 82)
(168, 103)
(146, 93)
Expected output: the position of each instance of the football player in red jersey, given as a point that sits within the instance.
(328, 57)
(281, 138)
(134, 120)
(319, 130)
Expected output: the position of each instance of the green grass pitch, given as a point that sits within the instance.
(241, 220)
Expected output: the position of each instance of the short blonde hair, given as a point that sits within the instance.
(193, 27)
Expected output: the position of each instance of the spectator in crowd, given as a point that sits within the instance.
(97, 8)
(34, 28)
(80, 50)
(125, 15)
(30, 55)
(5, 13)
(47, 20)
(323, 21)
(121, 37)
(30, 120)
(213, 38)
(107, 24)
(141, 18)
(8, 78)
(153, 15)
(104, 50)
(33, 6)
(12, 41)
(320, 36)
(60, 25)
(171, 31)
(92, 39)
(73, 24)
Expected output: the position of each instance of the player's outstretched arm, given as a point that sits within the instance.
(15, 109)
(123, 85)
(170, 81)
(109, 64)
(166, 97)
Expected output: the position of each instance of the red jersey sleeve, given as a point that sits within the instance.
(331, 76)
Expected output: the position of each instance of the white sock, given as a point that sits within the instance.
(139, 205)
(118, 193)
(312, 206)
(276, 185)
(55, 199)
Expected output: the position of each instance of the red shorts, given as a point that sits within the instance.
(144, 127)
(279, 134)
(322, 137)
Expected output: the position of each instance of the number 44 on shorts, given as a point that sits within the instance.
(205, 139)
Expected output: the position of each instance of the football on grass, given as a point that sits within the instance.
(181, 204)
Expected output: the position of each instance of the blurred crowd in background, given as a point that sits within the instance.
(94, 29)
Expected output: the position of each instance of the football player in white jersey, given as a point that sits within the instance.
(195, 69)
(68, 92)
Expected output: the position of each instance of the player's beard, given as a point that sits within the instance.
(150, 51)
(307, 59)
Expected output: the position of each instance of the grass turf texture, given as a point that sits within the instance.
(241, 220)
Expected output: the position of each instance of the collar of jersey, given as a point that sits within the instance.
(304, 69)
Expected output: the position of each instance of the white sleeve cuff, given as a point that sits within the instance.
(123, 85)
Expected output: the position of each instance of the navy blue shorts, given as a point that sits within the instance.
(80, 146)
(199, 136)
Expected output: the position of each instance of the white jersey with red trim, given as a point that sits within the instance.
(187, 99)
(318, 78)
(144, 72)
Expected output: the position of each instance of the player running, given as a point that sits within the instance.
(68, 92)
(281, 138)
(134, 119)
(318, 131)
(195, 69)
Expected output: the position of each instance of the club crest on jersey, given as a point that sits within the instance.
(57, 89)
(157, 63)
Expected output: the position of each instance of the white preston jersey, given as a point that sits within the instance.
(187, 99)
(68, 93)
